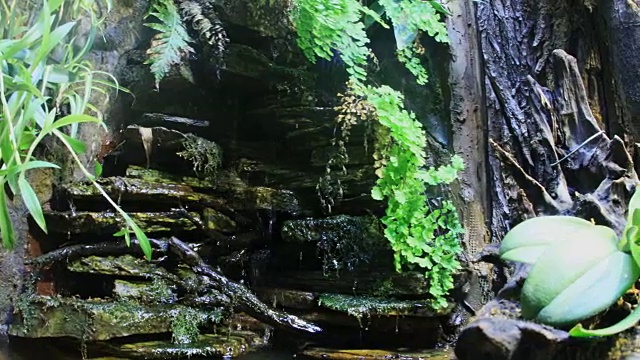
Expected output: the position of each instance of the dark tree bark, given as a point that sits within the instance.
(560, 100)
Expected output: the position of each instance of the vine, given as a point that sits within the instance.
(422, 236)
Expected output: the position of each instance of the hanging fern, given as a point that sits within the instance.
(206, 22)
(407, 25)
(325, 25)
(171, 45)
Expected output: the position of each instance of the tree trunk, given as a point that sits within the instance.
(562, 109)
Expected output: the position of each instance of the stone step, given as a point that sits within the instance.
(412, 284)
(105, 223)
(167, 191)
(41, 317)
(367, 306)
(374, 354)
(223, 344)
(181, 124)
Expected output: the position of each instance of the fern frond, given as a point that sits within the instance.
(207, 24)
(171, 44)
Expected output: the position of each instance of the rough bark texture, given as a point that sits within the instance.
(557, 145)
(469, 139)
(622, 25)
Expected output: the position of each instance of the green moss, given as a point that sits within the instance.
(96, 319)
(157, 291)
(366, 306)
(205, 155)
(209, 346)
(185, 325)
(343, 241)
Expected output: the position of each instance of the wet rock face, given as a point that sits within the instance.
(230, 165)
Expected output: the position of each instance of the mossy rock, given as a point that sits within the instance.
(228, 193)
(98, 320)
(85, 222)
(343, 241)
(125, 265)
(366, 306)
(145, 292)
(222, 344)
(373, 354)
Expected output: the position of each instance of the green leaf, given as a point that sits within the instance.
(143, 240)
(74, 119)
(97, 169)
(627, 323)
(529, 239)
(122, 232)
(580, 268)
(78, 146)
(634, 204)
(55, 39)
(376, 194)
(6, 227)
(32, 203)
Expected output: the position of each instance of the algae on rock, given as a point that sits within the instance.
(343, 241)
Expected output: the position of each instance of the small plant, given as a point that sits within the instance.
(171, 45)
(573, 260)
(205, 155)
(172, 42)
(45, 91)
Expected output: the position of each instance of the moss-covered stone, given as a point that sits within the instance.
(125, 265)
(360, 282)
(181, 124)
(163, 177)
(215, 220)
(228, 193)
(343, 241)
(267, 17)
(96, 320)
(365, 306)
(80, 222)
(293, 299)
(157, 291)
(218, 345)
(374, 354)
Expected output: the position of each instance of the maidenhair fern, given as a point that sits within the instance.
(325, 26)
(171, 44)
(422, 237)
(410, 17)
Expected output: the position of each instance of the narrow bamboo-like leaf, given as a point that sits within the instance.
(55, 38)
(59, 75)
(32, 203)
(78, 146)
(97, 169)
(627, 323)
(6, 228)
(121, 232)
(143, 240)
(74, 119)
(528, 240)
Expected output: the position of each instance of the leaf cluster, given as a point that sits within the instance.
(603, 269)
(172, 42)
(421, 237)
(45, 91)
